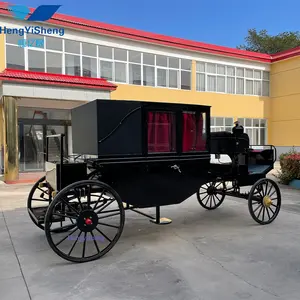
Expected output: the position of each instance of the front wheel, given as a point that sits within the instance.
(211, 194)
(98, 215)
(264, 201)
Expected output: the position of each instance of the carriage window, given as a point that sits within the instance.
(161, 132)
(193, 138)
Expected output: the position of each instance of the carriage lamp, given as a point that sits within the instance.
(53, 194)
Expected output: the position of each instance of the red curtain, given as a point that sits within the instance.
(161, 132)
(192, 139)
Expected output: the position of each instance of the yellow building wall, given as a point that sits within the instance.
(285, 97)
(2, 52)
(222, 105)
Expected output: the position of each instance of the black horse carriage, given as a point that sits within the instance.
(142, 155)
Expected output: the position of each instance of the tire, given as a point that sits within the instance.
(264, 199)
(86, 217)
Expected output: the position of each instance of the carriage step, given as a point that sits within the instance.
(40, 212)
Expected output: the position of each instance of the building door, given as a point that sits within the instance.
(32, 143)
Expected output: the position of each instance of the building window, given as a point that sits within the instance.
(89, 67)
(72, 63)
(36, 61)
(221, 124)
(256, 129)
(211, 77)
(72, 47)
(54, 62)
(106, 70)
(15, 57)
(53, 43)
(186, 67)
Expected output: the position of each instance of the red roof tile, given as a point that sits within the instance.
(56, 79)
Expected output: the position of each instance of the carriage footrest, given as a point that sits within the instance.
(38, 213)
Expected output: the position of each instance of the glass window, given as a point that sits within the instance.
(173, 62)
(105, 52)
(231, 85)
(161, 132)
(72, 46)
(162, 77)
(186, 64)
(200, 67)
(35, 41)
(185, 80)
(89, 67)
(36, 61)
(257, 74)
(228, 121)
(200, 84)
(211, 83)
(257, 87)
(221, 84)
(148, 59)
(249, 73)
(240, 86)
(241, 121)
(219, 121)
(13, 38)
(192, 132)
(266, 75)
(72, 63)
(230, 71)
(255, 122)
(173, 78)
(148, 74)
(265, 88)
(221, 69)
(120, 54)
(211, 68)
(120, 72)
(240, 72)
(262, 136)
(248, 123)
(106, 70)
(212, 121)
(89, 49)
(54, 62)
(135, 74)
(161, 61)
(53, 43)
(249, 87)
(15, 58)
(135, 56)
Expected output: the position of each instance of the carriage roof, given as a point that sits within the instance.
(120, 128)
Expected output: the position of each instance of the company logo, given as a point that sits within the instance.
(41, 13)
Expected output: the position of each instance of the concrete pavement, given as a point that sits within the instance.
(209, 255)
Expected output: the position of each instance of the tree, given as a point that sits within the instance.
(264, 43)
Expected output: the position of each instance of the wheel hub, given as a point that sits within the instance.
(211, 190)
(87, 221)
(267, 201)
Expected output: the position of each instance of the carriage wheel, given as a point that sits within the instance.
(211, 194)
(39, 199)
(98, 214)
(264, 201)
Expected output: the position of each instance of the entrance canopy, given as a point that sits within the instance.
(39, 90)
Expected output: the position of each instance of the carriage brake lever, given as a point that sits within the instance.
(175, 167)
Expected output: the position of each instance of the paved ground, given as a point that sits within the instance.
(210, 255)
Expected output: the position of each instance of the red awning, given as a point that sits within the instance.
(56, 79)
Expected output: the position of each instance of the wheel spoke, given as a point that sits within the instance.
(96, 245)
(268, 213)
(257, 208)
(260, 211)
(65, 237)
(108, 225)
(74, 244)
(111, 215)
(103, 234)
(84, 243)
(98, 200)
(106, 205)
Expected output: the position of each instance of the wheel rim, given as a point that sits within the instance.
(39, 198)
(94, 216)
(211, 194)
(265, 201)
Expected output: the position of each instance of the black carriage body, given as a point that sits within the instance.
(248, 165)
(117, 132)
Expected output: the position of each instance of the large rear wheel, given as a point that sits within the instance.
(97, 215)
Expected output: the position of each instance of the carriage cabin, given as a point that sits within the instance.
(127, 129)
